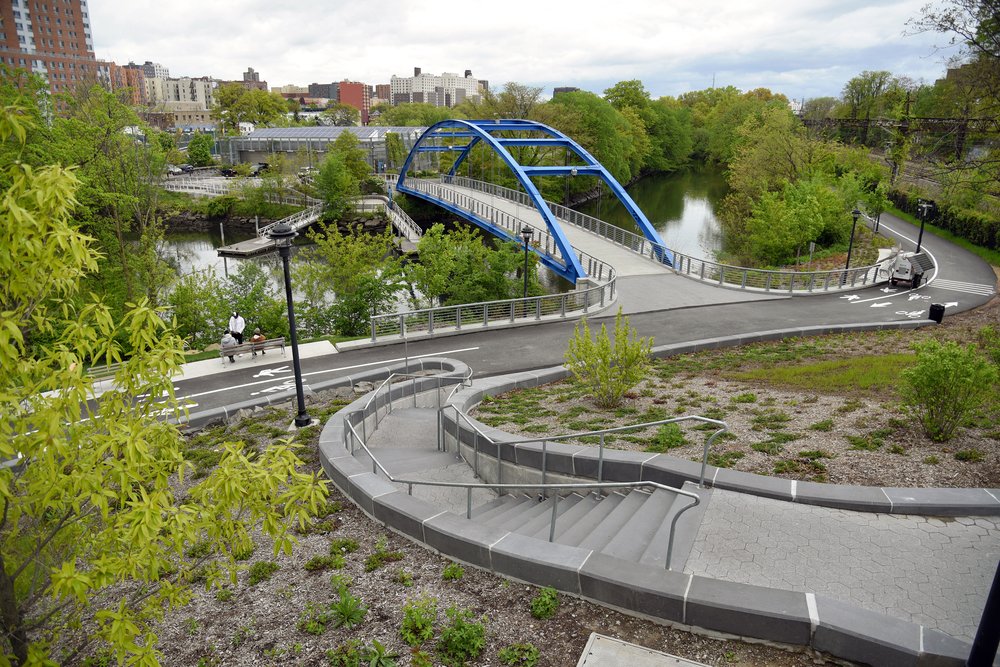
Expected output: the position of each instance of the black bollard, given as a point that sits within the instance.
(984, 647)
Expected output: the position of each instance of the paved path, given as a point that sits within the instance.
(935, 572)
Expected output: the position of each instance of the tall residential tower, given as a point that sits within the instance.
(51, 38)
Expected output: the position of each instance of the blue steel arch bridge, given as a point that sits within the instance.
(459, 137)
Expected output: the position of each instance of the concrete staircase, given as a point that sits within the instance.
(633, 525)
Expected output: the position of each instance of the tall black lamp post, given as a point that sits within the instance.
(526, 233)
(850, 245)
(924, 207)
(282, 235)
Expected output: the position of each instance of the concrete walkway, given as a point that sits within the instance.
(928, 571)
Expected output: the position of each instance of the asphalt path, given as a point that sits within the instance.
(961, 281)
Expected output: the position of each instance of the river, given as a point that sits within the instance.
(681, 206)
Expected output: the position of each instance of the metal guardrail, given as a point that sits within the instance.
(303, 218)
(724, 275)
(508, 311)
(492, 313)
(216, 188)
(354, 441)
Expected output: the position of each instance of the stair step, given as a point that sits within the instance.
(541, 523)
(631, 540)
(510, 504)
(567, 519)
(579, 530)
(612, 523)
(522, 514)
(496, 503)
(685, 532)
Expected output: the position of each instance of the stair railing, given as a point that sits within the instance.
(353, 440)
(723, 428)
(357, 441)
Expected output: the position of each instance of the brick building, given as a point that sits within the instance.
(51, 38)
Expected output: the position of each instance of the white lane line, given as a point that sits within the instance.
(331, 370)
(923, 284)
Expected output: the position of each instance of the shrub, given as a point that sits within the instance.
(608, 371)
(452, 572)
(525, 655)
(668, 436)
(945, 385)
(969, 455)
(418, 621)
(462, 639)
(348, 611)
(989, 341)
(262, 571)
(545, 604)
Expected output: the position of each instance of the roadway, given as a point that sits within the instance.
(670, 308)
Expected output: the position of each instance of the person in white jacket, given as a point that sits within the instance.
(236, 326)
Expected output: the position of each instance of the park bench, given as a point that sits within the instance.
(103, 371)
(250, 348)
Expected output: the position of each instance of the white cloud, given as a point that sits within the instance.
(801, 49)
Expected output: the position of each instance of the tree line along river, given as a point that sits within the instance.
(682, 206)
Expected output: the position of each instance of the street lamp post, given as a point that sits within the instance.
(924, 207)
(282, 235)
(850, 245)
(526, 233)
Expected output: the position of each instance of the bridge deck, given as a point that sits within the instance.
(626, 262)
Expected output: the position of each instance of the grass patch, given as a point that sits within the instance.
(874, 374)
(746, 397)
(769, 420)
(969, 455)
(724, 459)
(668, 436)
(825, 426)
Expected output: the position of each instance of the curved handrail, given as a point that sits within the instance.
(470, 486)
(724, 275)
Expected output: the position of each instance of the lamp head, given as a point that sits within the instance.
(282, 234)
(856, 213)
(572, 172)
(526, 233)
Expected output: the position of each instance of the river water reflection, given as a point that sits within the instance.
(681, 206)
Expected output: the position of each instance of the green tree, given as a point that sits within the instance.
(234, 104)
(336, 185)
(198, 308)
(200, 150)
(92, 504)
(609, 370)
(341, 115)
(819, 108)
(946, 385)
(415, 115)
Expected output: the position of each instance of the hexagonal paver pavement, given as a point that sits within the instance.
(929, 570)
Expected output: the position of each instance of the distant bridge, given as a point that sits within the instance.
(461, 136)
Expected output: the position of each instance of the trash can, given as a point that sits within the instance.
(937, 312)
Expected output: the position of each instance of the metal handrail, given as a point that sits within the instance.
(470, 486)
(726, 275)
(311, 214)
(602, 432)
(485, 313)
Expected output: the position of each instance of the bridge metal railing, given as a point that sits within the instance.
(303, 218)
(218, 188)
(724, 275)
(354, 441)
(485, 314)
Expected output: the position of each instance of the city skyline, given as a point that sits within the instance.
(803, 52)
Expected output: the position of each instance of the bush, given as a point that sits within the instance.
(462, 639)
(452, 572)
(418, 621)
(608, 371)
(545, 604)
(262, 571)
(525, 655)
(946, 384)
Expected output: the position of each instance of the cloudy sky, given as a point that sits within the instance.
(802, 48)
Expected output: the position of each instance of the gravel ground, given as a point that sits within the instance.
(260, 624)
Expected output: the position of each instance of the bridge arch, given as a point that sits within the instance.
(469, 133)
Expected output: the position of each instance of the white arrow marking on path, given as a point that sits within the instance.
(269, 372)
(917, 296)
(287, 384)
(881, 305)
(888, 290)
(851, 297)
(950, 304)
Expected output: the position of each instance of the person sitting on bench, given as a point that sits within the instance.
(228, 343)
(257, 337)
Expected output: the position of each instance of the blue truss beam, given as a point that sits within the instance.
(481, 131)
